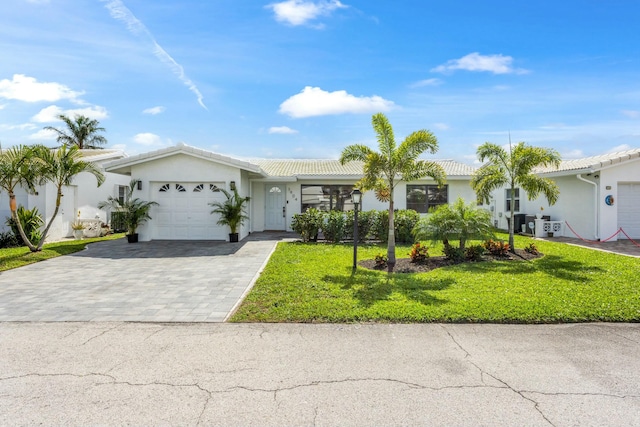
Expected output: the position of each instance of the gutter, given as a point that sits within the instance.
(595, 198)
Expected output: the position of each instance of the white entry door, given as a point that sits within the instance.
(275, 211)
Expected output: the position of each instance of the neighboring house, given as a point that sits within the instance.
(80, 200)
(598, 196)
(183, 180)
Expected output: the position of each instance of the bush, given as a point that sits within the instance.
(404, 221)
(532, 249)
(496, 248)
(381, 260)
(8, 240)
(453, 253)
(31, 222)
(334, 226)
(419, 253)
(308, 224)
(380, 225)
(364, 224)
(474, 252)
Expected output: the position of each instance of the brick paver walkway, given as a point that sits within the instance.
(158, 281)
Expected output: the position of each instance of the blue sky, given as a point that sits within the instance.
(301, 79)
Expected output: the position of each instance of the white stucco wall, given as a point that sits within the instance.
(612, 177)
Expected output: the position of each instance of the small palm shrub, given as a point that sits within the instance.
(8, 240)
(333, 227)
(453, 253)
(419, 253)
(308, 223)
(496, 248)
(381, 260)
(474, 252)
(531, 248)
(31, 222)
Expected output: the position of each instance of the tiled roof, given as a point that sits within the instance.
(593, 163)
(302, 167)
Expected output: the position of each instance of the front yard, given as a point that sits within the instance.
(314, 283)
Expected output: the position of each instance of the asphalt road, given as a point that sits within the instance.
(322, 375)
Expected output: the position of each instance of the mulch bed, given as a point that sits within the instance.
(404, 265)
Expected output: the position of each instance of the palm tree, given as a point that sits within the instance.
(393, 164)
(61, 166)
(20, 167)
(231, 211)
(135, 211)
(514, 169)
(81, 132)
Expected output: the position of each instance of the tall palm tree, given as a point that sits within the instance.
(20, 167)
(61, 166)
(134, 210)
(81, 132)
(514, 169)
(393, 164)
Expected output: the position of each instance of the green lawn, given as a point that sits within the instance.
(17, 257)
(314, 283)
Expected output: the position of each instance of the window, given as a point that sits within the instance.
(327, 197)
(275, 190)
(180, 188)
(164, 188)
(198, 188)
(122, 194)
(421, 198)
(516, 200)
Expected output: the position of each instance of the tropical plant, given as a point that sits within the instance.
(419, 253)
(474, 252)
(231, 211)
(365, 219)
(61, 166)
(393, 164)
(307, 224)
(333, 227)
(134, 211)
(459, 221)
(514, 169)
(497, 248)
(20, 167)
(30, 220)
(81, 131)
(405, 221)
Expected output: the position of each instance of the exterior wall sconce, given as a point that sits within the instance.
(232, 185)
(139, 185)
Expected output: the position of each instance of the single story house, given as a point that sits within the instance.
(598, 196)
(183, 181)
(79, 201)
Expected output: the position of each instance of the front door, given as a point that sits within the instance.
(276, 210)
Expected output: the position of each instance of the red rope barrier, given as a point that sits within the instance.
(594, 241)
(632, 241)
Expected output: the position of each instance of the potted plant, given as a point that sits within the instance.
(231, 211)
(134, 211)
(78, 230)
(539, 214)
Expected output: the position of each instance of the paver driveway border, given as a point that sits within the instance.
(157, 281)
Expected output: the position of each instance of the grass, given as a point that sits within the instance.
(314, 283)
(18, 257)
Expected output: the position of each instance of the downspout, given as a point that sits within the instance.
(595, 198)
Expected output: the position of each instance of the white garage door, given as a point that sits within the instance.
(629, 209)
(184, 212)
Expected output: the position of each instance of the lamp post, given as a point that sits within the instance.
(356, 195)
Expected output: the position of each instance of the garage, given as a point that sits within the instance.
(629, 209)
(184, 213)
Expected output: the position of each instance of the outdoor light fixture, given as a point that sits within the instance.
(139, 185)
(232, 185)
(356, 196)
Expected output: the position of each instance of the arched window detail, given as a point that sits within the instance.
(180, 188)
(275, 190)
(198, 188)
(213, 187)
(165, 188)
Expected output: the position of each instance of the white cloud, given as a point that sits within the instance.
(427, 82)
(441, 126)
(2, 106)
(496, 64)
(313, 101)
(28, 89)
(282, 130)
(634, 114)
(299, 12)
(120, 12)
(23, 126)
(618, 148)
(45, 134)
(147, 139)
(573, 154)
(154, 110)
(51, 113)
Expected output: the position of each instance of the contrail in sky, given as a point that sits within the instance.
(119, 11)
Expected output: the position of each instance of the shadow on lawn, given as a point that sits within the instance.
(370, 287)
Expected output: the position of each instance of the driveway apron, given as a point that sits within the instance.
(157, 281)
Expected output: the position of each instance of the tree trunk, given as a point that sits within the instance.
(391, 243)
(14, 214)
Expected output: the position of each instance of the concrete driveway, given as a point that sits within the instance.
(158, 281)
(319, 375)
